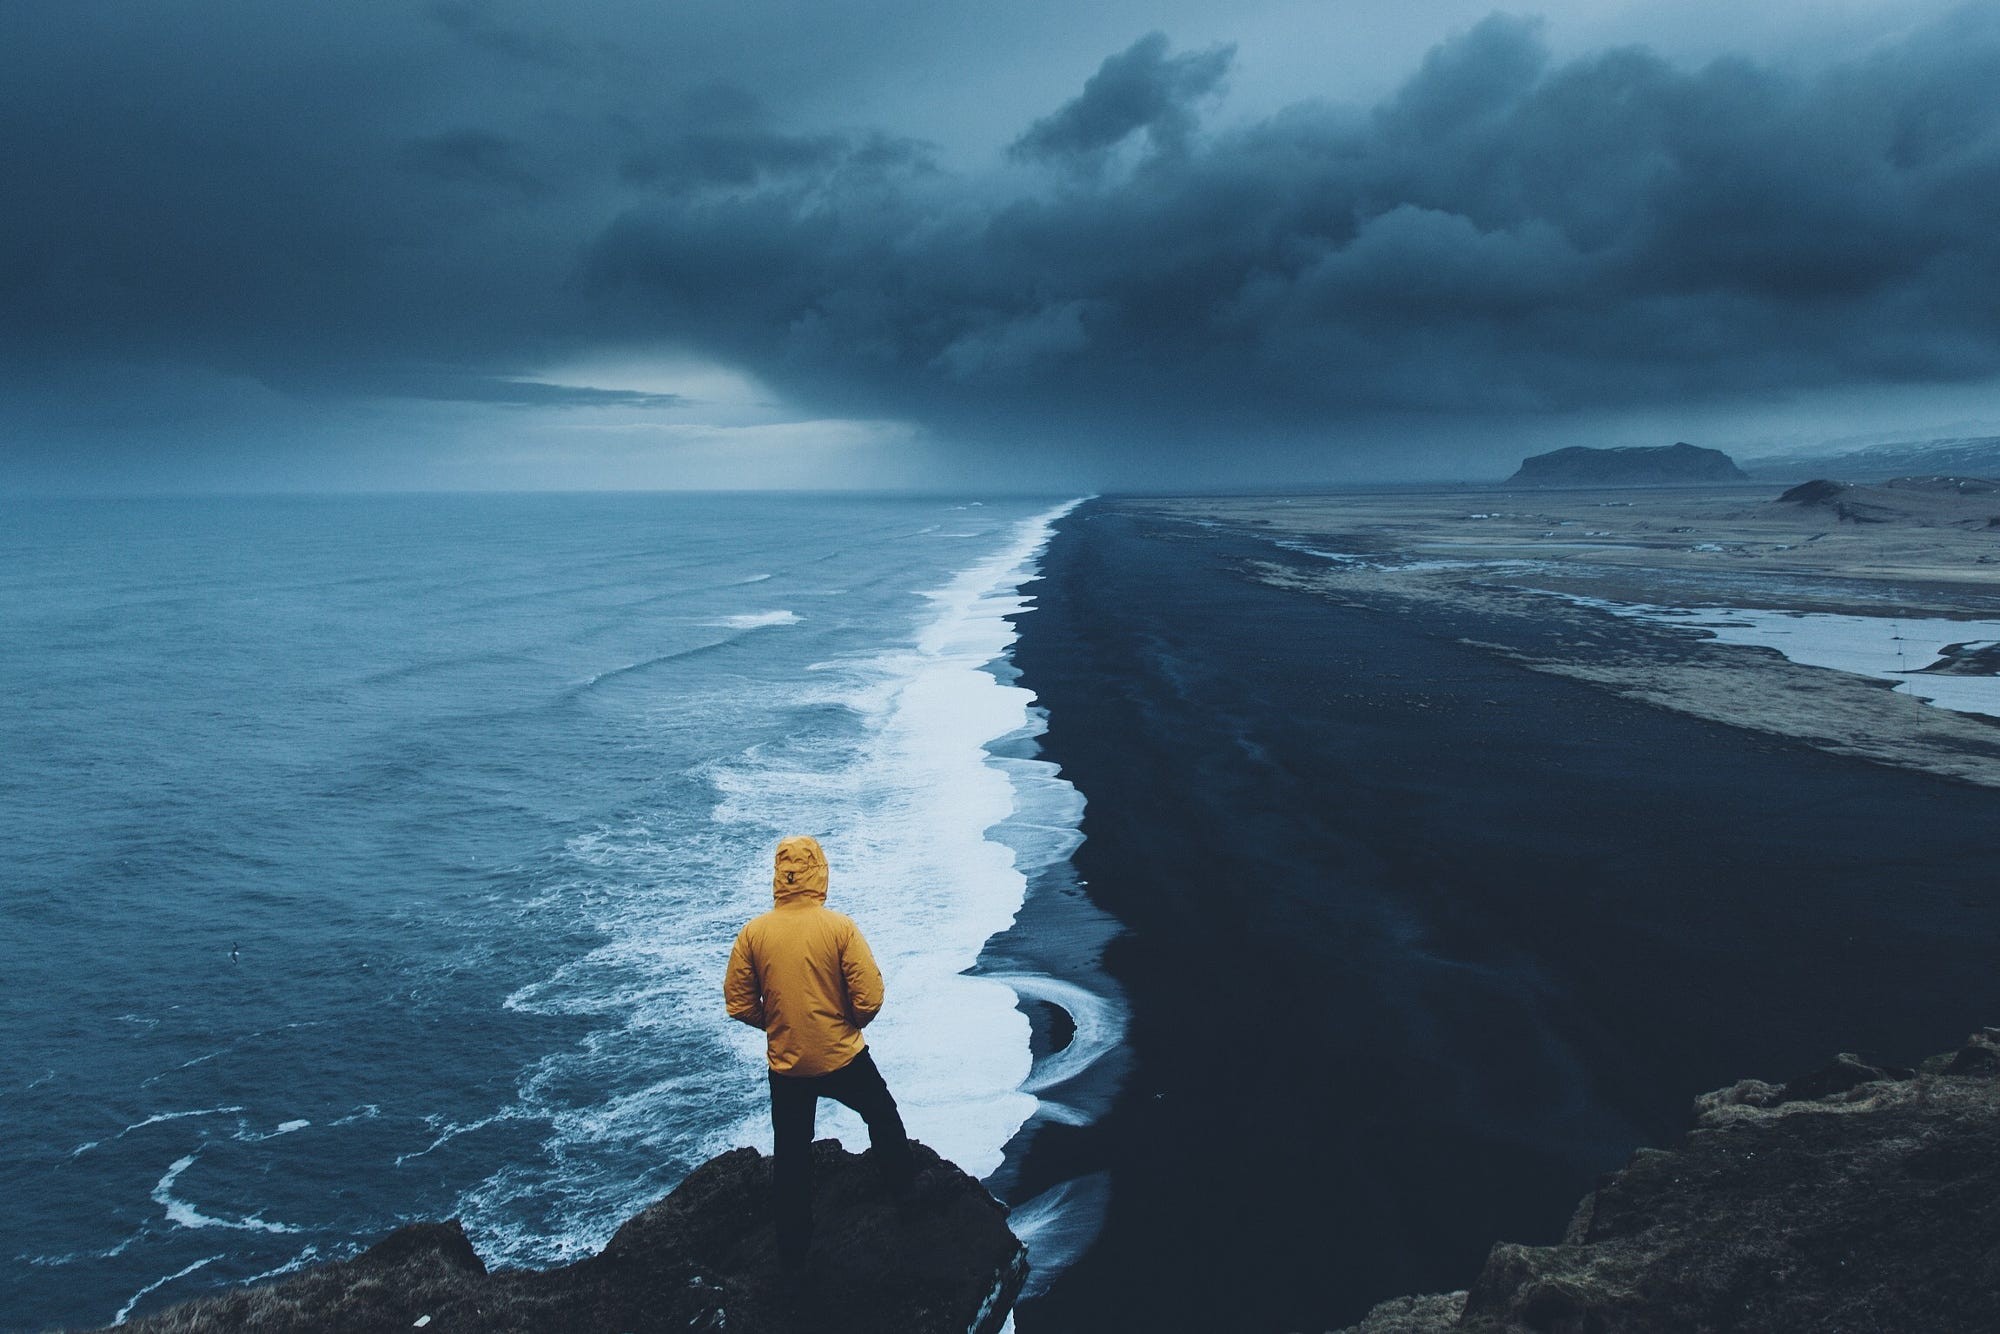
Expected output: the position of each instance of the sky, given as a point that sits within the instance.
(496, 244)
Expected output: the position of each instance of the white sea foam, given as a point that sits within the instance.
(107, 1253)
(1059, 1225)
(125, 1311)
(1100, 1027)
(453, 1131)
(249, 1136)
(179, 1211)
(1337, 557)
(229, 1047)
(154, 1120)
(754, 620)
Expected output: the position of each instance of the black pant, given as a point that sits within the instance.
(794, 1104)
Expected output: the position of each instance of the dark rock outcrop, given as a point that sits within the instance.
(940, 1259)
(1859, 1197)
(1819, 491)
(1679, 464)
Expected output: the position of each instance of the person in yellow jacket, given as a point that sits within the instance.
(804, 975)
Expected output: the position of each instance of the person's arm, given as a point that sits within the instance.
(864, 979)
(740, 989)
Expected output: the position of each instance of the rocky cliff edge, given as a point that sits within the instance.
(939, 1259)
(1857, 1198)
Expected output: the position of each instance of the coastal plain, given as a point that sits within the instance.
(1543, 572)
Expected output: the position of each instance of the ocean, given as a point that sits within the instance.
(372, 859)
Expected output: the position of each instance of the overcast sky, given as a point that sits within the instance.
(499, 244)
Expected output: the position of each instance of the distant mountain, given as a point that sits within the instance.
(1648, 465)
(1965, 456)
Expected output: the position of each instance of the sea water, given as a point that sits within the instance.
(373, 859)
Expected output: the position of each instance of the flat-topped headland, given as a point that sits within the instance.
(1679, 464)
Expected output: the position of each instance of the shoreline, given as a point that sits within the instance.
(1419, 940)
(1051, 956)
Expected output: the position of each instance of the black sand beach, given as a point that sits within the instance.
(1420, 941)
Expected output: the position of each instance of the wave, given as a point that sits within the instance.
(454, 1130)
(247, 1136)
(743, 625)
(756, 619)
(154, 1120)
(1100, 1028)
(179, 1211)
(111, 1252)
(1059, 1225)
(125, 1311)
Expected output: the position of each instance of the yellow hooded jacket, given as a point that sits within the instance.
(802, 972)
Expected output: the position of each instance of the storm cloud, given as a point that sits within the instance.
(379, 203)
(1504, 234)
(1142, 88)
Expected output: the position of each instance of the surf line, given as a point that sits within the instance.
(1069, 1080)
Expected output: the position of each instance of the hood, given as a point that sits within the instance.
(800, 870)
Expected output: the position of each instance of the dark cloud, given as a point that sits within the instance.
(479, 157)
(392, 203)
(1506, 234)
(722, 136)
(482, 29)
(1462, 83)
(1140, 88)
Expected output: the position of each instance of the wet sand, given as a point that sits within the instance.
(1419, 936)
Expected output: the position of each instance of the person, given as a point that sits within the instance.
(804, 975)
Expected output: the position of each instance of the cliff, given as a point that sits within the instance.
(1855, 1198)
(941, 1259)
(1654, 465)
